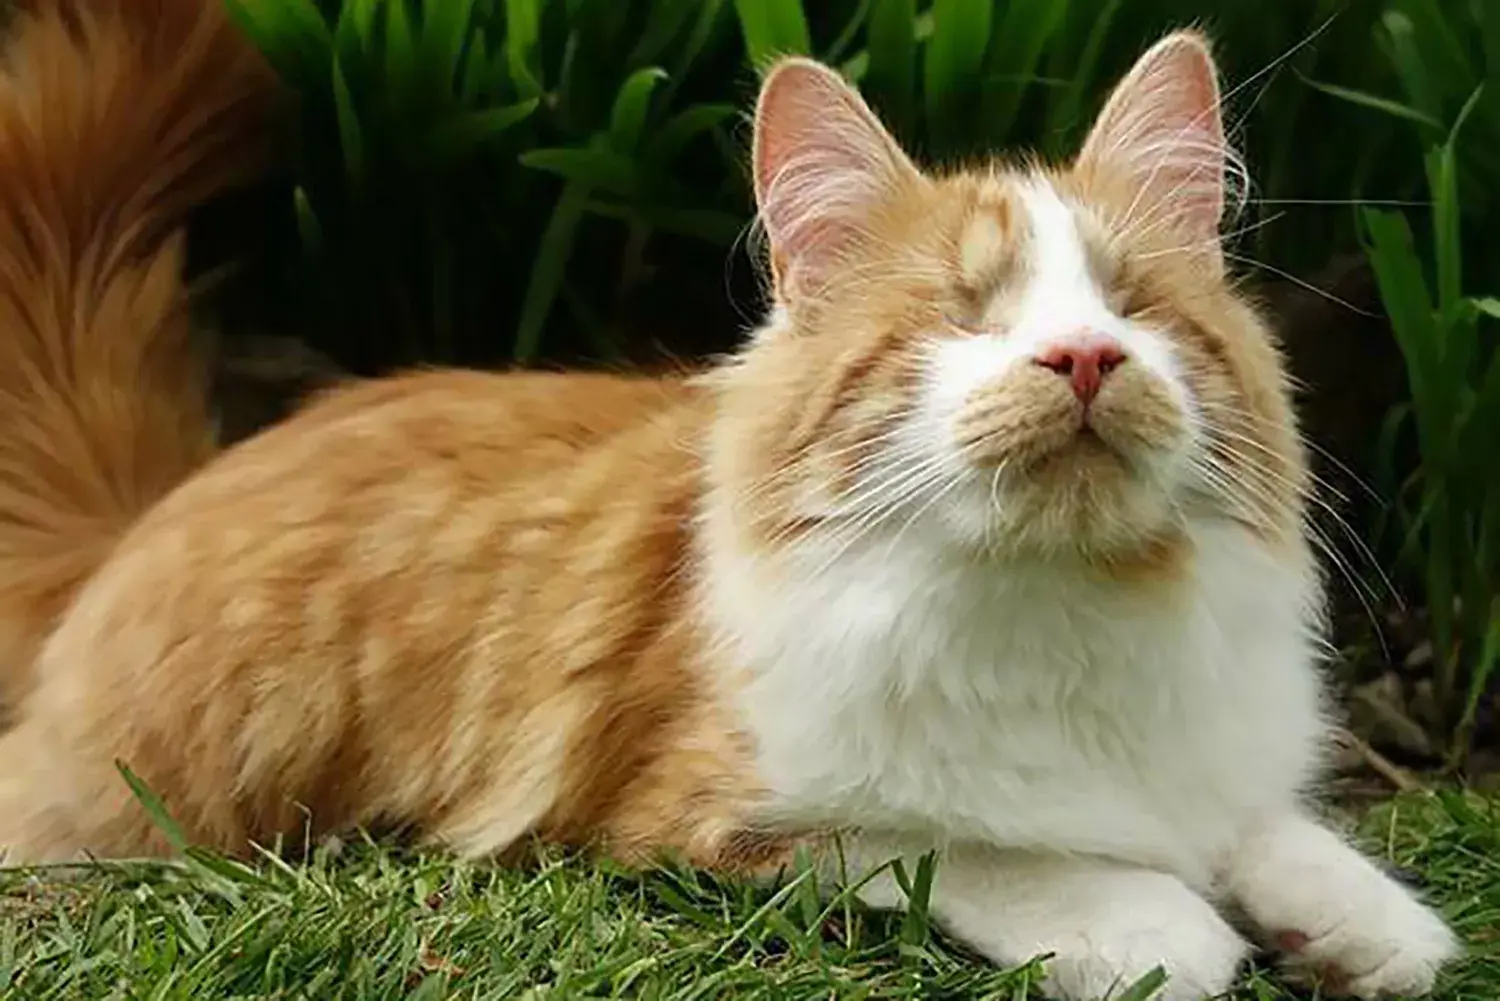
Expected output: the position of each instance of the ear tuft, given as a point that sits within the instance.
(1163, 129)
(823, 163)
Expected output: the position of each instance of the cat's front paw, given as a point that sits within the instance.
(1199, 951)
(1369, 941)
(1340, 920)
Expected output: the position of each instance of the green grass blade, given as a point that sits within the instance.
(697, 39)
(350, 140)
(1066, 114)
(463, 131)
(292, 35)
(809, 898)
(475, 71)
(155, 808)
(1489, 35)
(604, 169)
(916, 923)
(1146, 987)
(1412, 69)
(523, 28)
(952, 65)
(1470, 103)
(309, 230)
(677, 132)
(786, 891)
(1442, 181)
(1482, 437)
(1445, 58)
(401, 59)
(1403, 291)
(772, 28)
(1377, 103)
(353, 34)
(839, 48)
(890, 77)
(553, 254)
(1481, 670)
(360, 16)
(445, 29)
(665, 23)
(1015, 53)
(632, 104)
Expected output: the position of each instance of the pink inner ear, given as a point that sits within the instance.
(1163, 127)
(804, 173)
(822, 164)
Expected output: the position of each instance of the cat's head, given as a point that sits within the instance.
(1015, 356)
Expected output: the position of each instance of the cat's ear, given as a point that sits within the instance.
(1162, 128)
(823, 163)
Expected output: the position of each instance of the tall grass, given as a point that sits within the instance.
(1447, 502)
(448, 159)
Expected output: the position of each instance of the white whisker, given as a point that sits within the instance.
(1300, 282)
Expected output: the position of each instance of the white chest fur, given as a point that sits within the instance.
(906, 691)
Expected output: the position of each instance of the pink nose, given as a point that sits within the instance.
(1084, 359)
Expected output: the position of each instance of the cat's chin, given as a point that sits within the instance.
(1084, 460)
(1083, 499)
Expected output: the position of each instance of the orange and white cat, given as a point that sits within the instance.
(990, 540)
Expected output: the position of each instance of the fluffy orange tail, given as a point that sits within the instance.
(116, 118)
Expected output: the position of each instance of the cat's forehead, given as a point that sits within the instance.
(994, 227)
(1012, 225)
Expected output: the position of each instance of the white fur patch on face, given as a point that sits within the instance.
(1060, 297)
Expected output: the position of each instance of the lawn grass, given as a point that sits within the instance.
(369, 922)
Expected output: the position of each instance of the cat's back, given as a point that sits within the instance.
(528, 416)
(509, 436)
(368, 582)
(396, 492)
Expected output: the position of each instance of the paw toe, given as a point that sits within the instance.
(1349, 962)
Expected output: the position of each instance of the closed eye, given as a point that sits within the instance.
(1130, 299)
(961, 324)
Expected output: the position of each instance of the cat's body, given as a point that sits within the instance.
(464, 645)
(989, 541)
